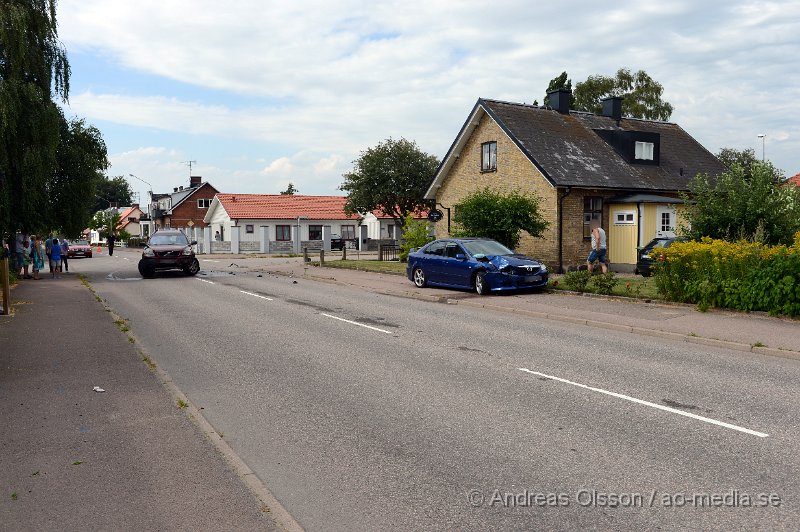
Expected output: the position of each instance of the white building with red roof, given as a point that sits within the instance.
(276, 223)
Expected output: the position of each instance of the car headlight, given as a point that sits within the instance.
(148, 253)
(645, 256)
(187, 250)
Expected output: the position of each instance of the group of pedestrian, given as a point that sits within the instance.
(30, 254)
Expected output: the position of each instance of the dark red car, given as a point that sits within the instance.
(168, 249)
(79, 248)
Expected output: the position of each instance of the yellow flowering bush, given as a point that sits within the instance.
(740, 275)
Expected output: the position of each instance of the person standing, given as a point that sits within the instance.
(19, 248)
(111, 240)
(37, 256)
(64, 255)
(55, 258)
(48, 248)
(599, 248)
(26, 257)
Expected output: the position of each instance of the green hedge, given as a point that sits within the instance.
(736, 275)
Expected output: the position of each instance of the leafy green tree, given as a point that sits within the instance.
(106, 223)
(487, 213)
(747, 160)
(416, 234)
(743, 203)
(641, 95)
(33, 70)
(392, 178)
(290, 190)
(112, 190)
(559, 82)
(82, 159)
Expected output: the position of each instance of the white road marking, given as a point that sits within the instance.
(204, 281)
(654, 405)
(126, 258)
(256, 295)
(356, 323)
(209, 260)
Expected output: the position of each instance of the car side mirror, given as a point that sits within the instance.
(193, 243)
(461, 256)
(480, 257)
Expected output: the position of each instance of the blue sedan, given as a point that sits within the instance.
(475, 263)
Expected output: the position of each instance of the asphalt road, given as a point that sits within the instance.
(365, 411)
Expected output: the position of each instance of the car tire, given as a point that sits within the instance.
(481, 284)
(420, 281)
(148, 272)
(193, 268)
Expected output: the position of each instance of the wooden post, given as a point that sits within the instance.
(305, 255)
(344, 251)
(321, 257)
(6, 287)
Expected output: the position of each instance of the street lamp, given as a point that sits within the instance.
(763, 137)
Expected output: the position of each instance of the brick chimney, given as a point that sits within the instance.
(559, 100)
(195, 181)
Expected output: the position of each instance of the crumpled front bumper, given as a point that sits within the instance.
(501, 281)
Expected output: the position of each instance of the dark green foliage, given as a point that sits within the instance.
(559, 82)
(577, 281)
(641, 95)
(745, 202)
(392, 178)
(112, 190)
(604, 283)
(290, 190)
(490, 214)
(33, 70)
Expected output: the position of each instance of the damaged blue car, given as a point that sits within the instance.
(481, 264)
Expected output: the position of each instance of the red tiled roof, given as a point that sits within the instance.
(794, 180)
(284, 207)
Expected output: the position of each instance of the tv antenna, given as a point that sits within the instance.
(189, 163)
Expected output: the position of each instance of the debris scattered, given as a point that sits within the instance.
(98, 389)
(259, 275)
(294, 282)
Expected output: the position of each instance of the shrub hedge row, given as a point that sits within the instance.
(736, 275)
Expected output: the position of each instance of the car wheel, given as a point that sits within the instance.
(193, 268)
(419, 278)
(148, 272)
(481, 285)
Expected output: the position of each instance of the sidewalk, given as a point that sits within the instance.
(127, 458)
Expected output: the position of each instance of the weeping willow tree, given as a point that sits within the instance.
(33, 72)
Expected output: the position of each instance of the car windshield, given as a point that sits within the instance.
(487, 247)
(169, 240)
(660, 243)
(80, 243)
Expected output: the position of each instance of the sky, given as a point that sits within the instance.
(259, 93)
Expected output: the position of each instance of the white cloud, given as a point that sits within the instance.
(334, 78)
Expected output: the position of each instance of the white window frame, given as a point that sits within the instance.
(624, 218)
(644, 151)
(203, 203)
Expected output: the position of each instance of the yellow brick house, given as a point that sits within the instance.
(626, 172)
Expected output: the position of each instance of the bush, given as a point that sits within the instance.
(604, 283)
(416, 234)
(577, 281)
(740, 275)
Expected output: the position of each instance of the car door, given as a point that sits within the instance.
(431, 262)
(455, 267)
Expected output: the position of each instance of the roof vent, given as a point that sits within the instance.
(559, 100)
(175, 189)
(612, 107)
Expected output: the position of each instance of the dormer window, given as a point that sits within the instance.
(488, 156)
(644, 151)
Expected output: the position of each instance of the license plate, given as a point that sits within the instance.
(532, 278)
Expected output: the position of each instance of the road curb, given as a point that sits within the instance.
(268, 503)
